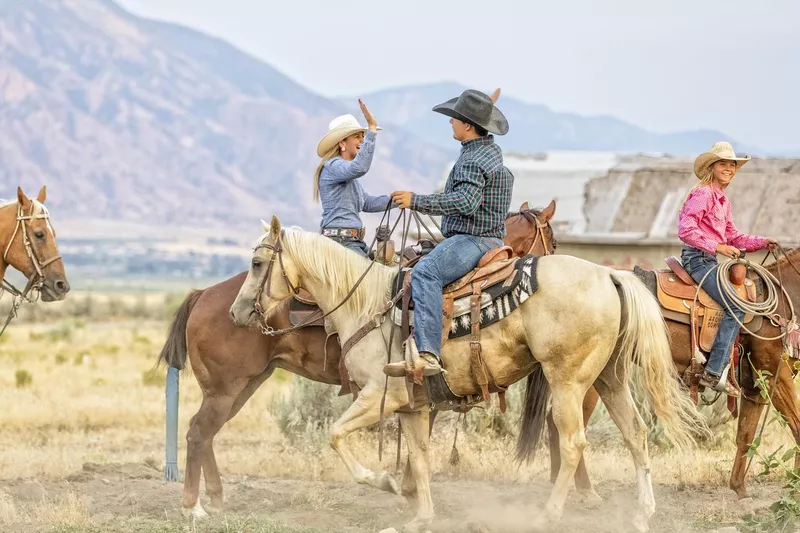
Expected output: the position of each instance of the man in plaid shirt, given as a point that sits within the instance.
(473, 207)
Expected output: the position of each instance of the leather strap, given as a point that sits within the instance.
(372, 324)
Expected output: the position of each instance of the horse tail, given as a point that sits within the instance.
(173, 354)
(534, 415)
(645, 342)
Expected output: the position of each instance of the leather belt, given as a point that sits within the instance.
(343, 232)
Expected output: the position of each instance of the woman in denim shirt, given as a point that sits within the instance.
(346, 151)
(706, 227)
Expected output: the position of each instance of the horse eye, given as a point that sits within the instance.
(39, 235)
(256, 263)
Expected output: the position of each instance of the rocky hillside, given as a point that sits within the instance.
(139, 122)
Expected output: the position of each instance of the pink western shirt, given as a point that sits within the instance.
(705, 221)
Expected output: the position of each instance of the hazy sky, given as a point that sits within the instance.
(730, 65)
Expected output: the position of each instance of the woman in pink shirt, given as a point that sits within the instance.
(705, 225)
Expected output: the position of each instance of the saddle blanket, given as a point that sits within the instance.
(497, 301)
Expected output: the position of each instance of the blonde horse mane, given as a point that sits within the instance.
(320, 257)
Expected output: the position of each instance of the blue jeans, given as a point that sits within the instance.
(357, 245)
(697, 263)
(451, 259)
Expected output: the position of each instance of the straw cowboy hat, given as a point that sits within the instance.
(475, 107)
(339, 128)
(721, 150)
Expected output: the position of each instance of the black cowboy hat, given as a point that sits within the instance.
(477, 108)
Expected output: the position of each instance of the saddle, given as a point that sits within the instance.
(497, 272)
(676, 290)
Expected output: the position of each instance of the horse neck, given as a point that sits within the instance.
(8, 221)
(329, 293)
(790, 277)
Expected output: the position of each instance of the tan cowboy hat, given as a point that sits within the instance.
(339, 128)
(721, 150)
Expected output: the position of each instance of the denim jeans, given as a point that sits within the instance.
(451, 259)
(697, 263)
(357, 245)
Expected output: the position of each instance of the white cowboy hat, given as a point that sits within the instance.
(339, 128)
(721, 150)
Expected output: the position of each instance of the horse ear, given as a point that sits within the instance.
(42, 194)
(524, 207)
(496, 95)
(549, 211)
(265, 225)
(275, 226)
(23, 200)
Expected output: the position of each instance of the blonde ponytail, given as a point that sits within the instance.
(330, 154)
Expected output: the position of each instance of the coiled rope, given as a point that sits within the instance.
(767, 308)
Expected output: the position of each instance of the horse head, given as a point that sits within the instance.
(30, 245)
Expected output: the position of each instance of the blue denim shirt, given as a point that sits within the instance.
(340, 192)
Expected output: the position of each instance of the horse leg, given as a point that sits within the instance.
(209, 459)
(572, 439)
(211, 416)
(618, 400)
(749, 415)
(363, 412)
(416, 428)
(783, 397)
(409, 486)
(582, 481)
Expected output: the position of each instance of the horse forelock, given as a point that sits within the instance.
(324, 259)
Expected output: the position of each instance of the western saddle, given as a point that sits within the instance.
(676, 291)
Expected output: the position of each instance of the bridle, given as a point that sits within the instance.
(264, 284)
(36, 280)
(530, 217)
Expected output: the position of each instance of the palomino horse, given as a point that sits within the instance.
(760, 355)
(28, 241)
(584, 323)
(230, 363)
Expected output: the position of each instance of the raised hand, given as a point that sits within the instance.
(372, 124)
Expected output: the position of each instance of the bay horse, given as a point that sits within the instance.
(28, 242)
(583, 324)
(231, 363)
(759, 355)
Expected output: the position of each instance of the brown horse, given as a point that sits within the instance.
(230, 363)
(28, 242)
(765, 356)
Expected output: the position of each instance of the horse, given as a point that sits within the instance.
(760, 355)
(583, 324)
(231, 363)
(28, 241)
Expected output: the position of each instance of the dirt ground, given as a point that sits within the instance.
(134, 498)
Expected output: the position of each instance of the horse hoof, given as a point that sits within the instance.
(213, 509)
(389, 484)
(417, 526)
(197, 512)
(589, 497)
(640, 523)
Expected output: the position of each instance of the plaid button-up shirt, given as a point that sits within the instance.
(477, 194)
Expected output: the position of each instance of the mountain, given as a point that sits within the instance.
(533, 127)
(141, 122)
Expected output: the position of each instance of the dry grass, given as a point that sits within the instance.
(92, 398)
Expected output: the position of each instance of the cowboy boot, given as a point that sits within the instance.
(423, 363)
(718, 384)
(427, 363)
